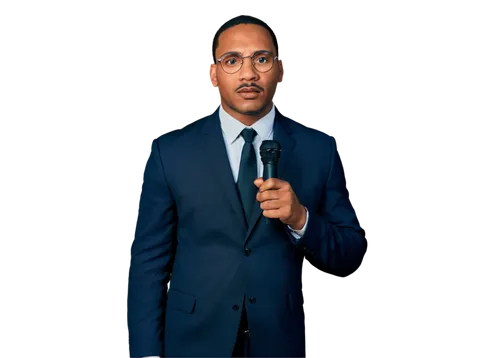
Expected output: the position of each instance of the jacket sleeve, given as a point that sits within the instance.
(334, 242)
(152, 256)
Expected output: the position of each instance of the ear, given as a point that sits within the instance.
(213, 75)
(282, 70)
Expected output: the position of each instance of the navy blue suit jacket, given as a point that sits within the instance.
(191, 232)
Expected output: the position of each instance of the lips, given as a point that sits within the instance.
(248, 89)
(249, 94)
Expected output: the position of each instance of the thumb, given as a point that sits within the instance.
(258, 182)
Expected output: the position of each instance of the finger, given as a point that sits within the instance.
(272, 183)
(271, 204)
(258, 182)
(268, 195)
(272, 214)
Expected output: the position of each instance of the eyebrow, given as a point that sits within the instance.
(239, 53)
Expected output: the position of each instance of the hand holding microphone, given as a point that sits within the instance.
(277, 198)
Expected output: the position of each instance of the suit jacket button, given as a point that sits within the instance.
(236, 307)
(252, 299)
(247, 251)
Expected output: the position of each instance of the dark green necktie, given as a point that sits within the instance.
(247, 172)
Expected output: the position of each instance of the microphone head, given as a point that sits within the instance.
(270, 151)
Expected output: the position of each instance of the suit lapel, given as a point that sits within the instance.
(215, 151)
(282, 135)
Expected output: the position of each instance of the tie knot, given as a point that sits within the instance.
(248, 134)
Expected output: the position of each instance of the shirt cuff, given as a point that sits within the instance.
(299, 233)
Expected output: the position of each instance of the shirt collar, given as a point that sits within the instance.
(233, 127)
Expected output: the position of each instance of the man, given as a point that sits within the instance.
(230, 244)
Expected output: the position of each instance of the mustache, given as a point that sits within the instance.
(250, 85)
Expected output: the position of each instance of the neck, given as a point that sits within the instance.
(248, 118)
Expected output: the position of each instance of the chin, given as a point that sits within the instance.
(251, 108)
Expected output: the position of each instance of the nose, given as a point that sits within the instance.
(248, 71)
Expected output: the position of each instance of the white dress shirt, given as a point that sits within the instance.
(231, 129)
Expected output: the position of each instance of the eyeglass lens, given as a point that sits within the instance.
(262, 62)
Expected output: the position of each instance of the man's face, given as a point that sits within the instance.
(246, 39)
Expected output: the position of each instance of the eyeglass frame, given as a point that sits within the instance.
(243, 60)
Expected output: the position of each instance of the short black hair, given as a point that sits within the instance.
(242, 19)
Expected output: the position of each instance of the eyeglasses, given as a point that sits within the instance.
(232, 62)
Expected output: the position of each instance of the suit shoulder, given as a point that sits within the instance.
(173, 136)
(308, 133)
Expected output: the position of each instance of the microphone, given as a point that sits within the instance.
(270, 155)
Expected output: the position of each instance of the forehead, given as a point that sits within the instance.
(246, 39)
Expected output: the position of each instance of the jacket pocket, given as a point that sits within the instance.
(181, 301)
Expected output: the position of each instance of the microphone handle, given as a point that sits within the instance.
(270, 171)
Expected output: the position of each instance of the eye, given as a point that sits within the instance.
(262, 58)
(231, 60)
